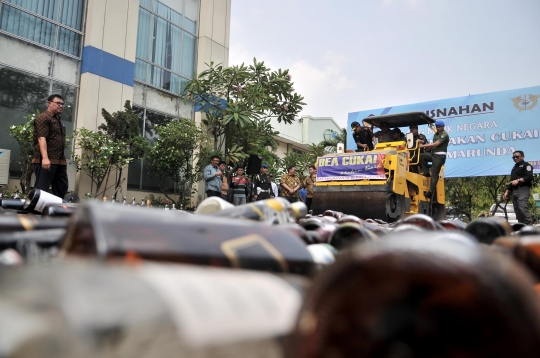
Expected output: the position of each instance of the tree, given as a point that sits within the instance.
(97, 149)
(24, 136)
(236, 101)
(330, 145)
(171, 157)
(123, 126)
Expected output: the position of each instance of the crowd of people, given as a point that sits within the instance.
(237, 188)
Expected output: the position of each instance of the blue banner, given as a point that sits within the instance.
(484, 129)
(351, 166)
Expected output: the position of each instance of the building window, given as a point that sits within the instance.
(166, 43)
(21, 94)
(54, 24)
(297, 151)
(139, 177)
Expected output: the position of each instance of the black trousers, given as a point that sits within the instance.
(291, 199)
(309, 201)
(437, 161)
(210, 193)
(520, 199)
(55, 177)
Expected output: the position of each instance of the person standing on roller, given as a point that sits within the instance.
(437, 157)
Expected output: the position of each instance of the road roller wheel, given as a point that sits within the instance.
(395, 205)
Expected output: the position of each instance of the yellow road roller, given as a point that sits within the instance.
(384, 183)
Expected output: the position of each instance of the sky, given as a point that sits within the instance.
(348, 56)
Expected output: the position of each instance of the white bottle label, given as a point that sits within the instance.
(46, 198)
(213, 306)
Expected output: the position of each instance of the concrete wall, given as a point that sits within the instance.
(303, 132)
(213, 41)
(107, 65)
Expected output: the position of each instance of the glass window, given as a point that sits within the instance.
(20, 94)
(42, 31)
(139, 177)
(191, 15)
(161, 41)
(45, 8)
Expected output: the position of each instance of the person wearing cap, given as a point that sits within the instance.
(262, 184)
(397, 135)
(290, 184)
(384, 135)
(418, 137)
(437, 157)
(519, 188)
(363, 137)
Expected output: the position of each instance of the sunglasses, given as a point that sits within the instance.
(516, 156)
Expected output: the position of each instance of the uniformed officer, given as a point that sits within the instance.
(363, 137)
(437, 157)
(520, 187)
(262, 184)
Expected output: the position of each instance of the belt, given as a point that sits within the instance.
(440, 153)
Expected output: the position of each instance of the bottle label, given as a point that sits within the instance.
(46, 198)
(213, 306)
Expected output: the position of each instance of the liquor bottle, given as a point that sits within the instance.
(37, 199)
(204, 324)
(142, 203)
(124, 201)
(148, 203)
(181, 206)
(59, 209)
(13, 204)
(404, 288)
(109, 231)
(270, 211)
(133, 202)
(113, 199)
(11, 223)
(166, 204)
(173, 207)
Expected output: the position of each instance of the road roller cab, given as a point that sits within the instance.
(380, 184)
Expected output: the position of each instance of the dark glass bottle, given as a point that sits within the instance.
(109, 231)
(37, 199)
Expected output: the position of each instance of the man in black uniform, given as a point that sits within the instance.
(363, 137)
(263, 187)
(437, 157)
(520, 187)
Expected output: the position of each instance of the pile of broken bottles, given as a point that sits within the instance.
(262, 280)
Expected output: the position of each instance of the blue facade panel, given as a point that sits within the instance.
(104, 64)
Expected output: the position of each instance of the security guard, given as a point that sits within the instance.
(520, 187)
(262, 184)
(363, 137)
(437, 157)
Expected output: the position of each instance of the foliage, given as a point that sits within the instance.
(237, 100)
(171, 157)
(96, 158)
(123, 126)
(471, 196)
(24, 136)
(330, 146)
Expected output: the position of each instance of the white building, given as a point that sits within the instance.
(98, 54)
(307, 130)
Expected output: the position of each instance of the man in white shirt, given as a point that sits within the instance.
(274, 186)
